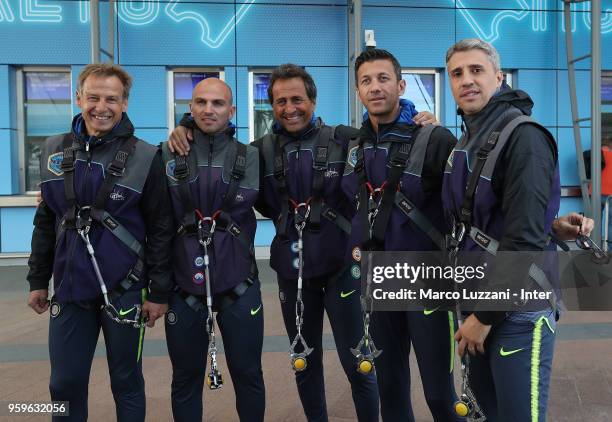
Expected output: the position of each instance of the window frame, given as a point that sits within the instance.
(437, 85)
(511, 77)
(21, 129)
(251, 99)
(604, 74)
(170, 84)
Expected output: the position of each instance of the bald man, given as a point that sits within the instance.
(213, 190)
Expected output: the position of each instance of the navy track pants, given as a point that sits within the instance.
(73, 335)
(338, 295)
(431, 335)
(511, 380)
(241, 327)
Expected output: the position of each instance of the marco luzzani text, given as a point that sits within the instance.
(403, 272)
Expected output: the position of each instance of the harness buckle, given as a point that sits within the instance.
(83, 220)
(181, 170)
(205, 232)
(458, 232)
(115, 170)
(301, 213)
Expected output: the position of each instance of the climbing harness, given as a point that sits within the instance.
(298, 359)
(365, 352)
(83, 225)
(206, 230)
(466, 406)
(81, 219)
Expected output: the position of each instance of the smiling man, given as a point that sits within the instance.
(392, 161)
(514, 185)
(213, 190)
(103, 231)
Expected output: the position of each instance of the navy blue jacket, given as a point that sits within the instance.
(210, 163)
(139, 201)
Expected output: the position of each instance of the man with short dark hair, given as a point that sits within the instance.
(103, 231)
(513, 183)
(302, 166)
(394, 161)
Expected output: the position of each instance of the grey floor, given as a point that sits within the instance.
(581, 388)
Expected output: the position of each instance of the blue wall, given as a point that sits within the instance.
(239, 35)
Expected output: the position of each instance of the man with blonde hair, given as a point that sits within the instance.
(103, 232)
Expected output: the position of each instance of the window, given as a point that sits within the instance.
(44, 100)
(423, 89)
(606, 106)
(181, 83)
(509, 77)
(261, 117)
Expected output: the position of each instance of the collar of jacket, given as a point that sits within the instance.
(403, 124)
(123, 129)
(501, 101)
(219, 137)
(315, 124)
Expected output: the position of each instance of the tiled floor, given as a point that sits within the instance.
(581, 387)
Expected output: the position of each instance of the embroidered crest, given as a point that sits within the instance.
(170, 166)
(198, 278)
(352, 156)
(171, 317)
(54, 164)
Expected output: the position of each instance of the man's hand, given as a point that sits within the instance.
(569, 226)
(425, 118)
(151, 311)
(179, 140)
(38, 300)
(472, 335)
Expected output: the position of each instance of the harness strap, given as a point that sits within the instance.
(114, 171)
(237, 174)
(320, 165)
(279, 175)
(67, 166)
(223, 300)
(363, 197)
(336, 218)
(181, 173)
(467, 206)
(398, 162)
(421, 221)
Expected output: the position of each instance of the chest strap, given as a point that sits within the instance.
(222, 217)
(97, 211)
(374, 228)
(316, 202)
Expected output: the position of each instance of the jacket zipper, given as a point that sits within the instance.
(208, 204)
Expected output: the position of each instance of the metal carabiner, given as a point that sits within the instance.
(202, 238)
(466, 405)
(365, 352)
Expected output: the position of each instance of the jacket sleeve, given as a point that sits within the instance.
(187, 121)
(440, 146)
(523, 179)
(157, 212)
(43, 248)
(260, 204)
(526, 176)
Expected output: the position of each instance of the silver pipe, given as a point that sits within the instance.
(596, 117)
